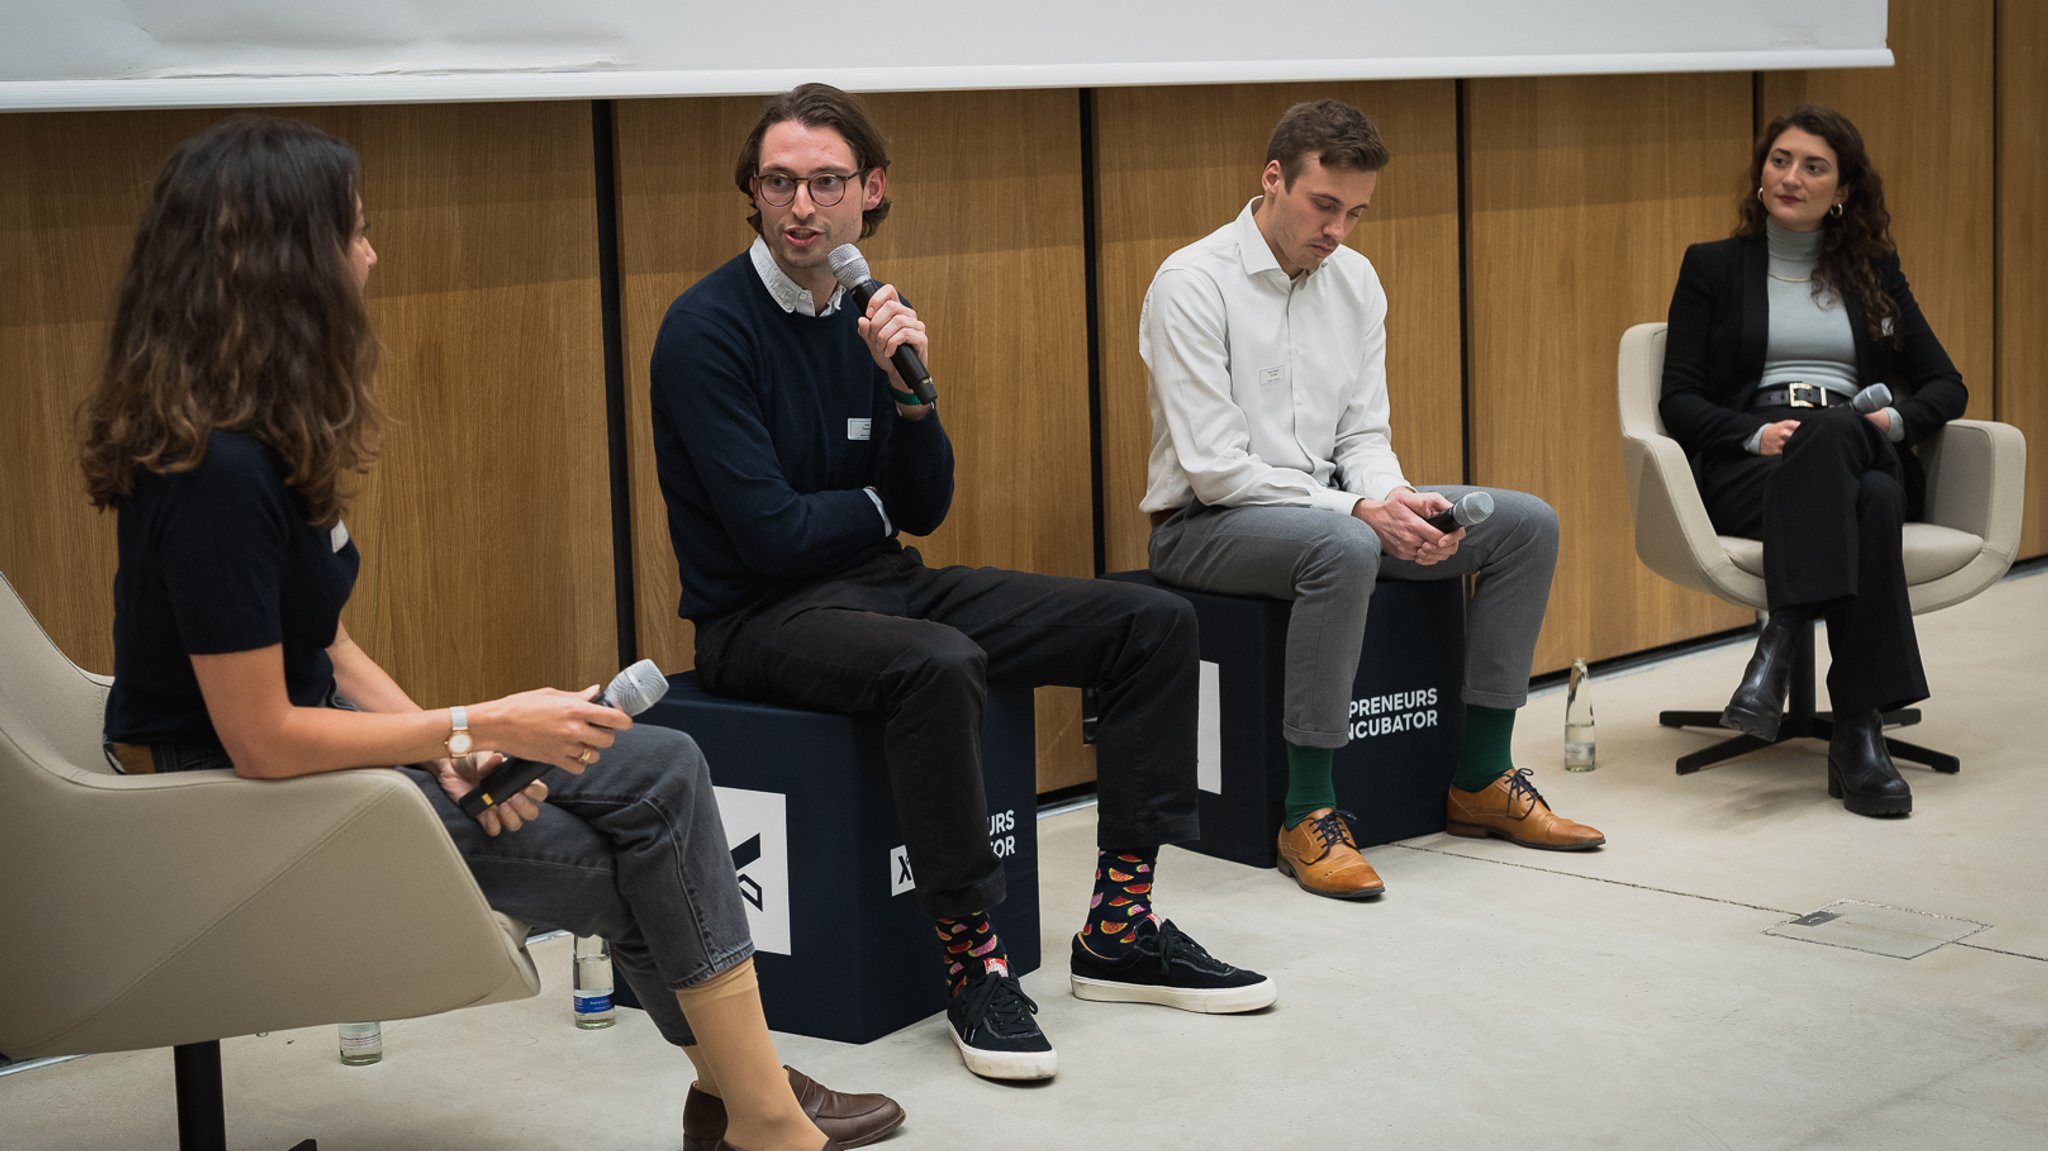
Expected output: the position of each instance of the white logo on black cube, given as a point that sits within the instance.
(757, 828)
(900, 880)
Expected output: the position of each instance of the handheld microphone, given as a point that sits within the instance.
(1470, 508)
(850, 268)
(1876, 397)
(632, 691)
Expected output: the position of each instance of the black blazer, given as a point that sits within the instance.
(1714, 353)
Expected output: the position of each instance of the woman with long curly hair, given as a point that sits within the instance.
(1773, 332)
(234, 410)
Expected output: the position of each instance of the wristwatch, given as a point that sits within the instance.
(459, 742)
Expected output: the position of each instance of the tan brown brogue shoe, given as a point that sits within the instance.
(1511, 808)
(1321, 856)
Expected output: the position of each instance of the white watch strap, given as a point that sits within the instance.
(888, 528)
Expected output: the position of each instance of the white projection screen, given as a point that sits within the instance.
(75, 54)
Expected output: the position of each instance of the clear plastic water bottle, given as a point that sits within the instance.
(1578, 719)
(593, 983)
(362, 1044)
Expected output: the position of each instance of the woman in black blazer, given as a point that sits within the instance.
(1772, 332)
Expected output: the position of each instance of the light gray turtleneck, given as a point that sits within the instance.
(1810, 339)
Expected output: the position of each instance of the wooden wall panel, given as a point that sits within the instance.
(485, 528)
(1928, 124)
(2022, 238)
(986, 237)
(1583, 194)
(71, 190)
(1174, 164)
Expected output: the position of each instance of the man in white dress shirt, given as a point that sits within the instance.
(1272, 473)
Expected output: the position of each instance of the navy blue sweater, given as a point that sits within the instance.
(757, 414)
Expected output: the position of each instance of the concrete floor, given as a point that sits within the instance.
(1628, 998)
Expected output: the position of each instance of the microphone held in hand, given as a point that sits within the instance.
(632, 691)
(1470, 508)
(850, 268)
(1874, 398)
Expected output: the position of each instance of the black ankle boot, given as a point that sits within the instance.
(1860, 771)
(1759, 704)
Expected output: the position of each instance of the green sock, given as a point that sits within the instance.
(1488, 751)
(1308, 782)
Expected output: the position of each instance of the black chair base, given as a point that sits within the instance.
(202, 1110)
(1801, 722)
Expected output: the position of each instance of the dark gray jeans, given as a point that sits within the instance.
(632, 850)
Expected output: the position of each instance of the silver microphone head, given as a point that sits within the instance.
(1472, 508)
(849, 267)
(1872, 398)
(637, 688)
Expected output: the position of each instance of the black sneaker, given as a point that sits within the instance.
(993, 1028)
(1167, 967)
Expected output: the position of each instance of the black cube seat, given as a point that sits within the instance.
(1406, 717)
(841, 948)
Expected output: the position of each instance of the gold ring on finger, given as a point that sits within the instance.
(586, 757)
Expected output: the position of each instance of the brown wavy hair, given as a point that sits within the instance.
(239, 312)
(820, 106)
(1851, 244)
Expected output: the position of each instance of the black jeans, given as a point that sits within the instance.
(919, 645)
(1830, 512)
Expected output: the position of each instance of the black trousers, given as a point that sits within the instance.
(1830, 511)
(919, 645)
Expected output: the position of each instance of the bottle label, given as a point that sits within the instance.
(594, 1004)
(360, 1039)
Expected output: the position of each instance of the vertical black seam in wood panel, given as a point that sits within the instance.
(1089, 277)
(1997, 206)
(604, 158)
(1463, 143)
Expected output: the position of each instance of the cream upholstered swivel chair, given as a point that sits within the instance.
(1976, 473)
(174, 910)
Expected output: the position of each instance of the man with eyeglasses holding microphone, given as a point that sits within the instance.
(790, 454)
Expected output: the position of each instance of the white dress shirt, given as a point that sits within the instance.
(1265, 389)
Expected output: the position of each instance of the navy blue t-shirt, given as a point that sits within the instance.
(215, 560)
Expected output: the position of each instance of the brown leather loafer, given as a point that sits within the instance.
(1323, 858)
(722, 1145)
(1511, 808)
(850, 1120)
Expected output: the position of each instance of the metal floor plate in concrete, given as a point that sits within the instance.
(1879, 929)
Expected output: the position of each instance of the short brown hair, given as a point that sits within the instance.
(820, 106)
(1330, 130)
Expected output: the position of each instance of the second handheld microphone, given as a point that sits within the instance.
(850, 268)
(632, 691)
(1872, 398)
(1470, 508)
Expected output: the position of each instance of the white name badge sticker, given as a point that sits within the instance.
(859, 429)
(338, 538)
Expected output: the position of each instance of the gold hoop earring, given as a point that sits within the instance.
(1836, 211)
